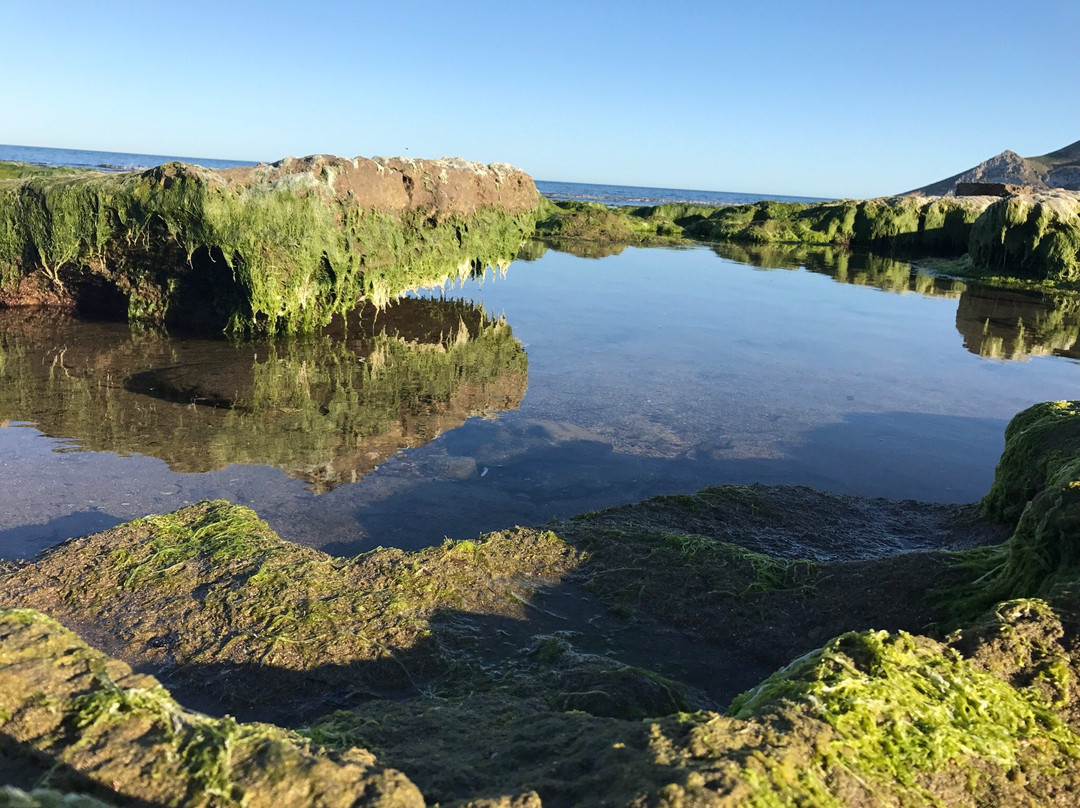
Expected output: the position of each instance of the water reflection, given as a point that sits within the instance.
(1015, 324)
(534, 249)
(995, 323)
(324, 409)
(844, 266)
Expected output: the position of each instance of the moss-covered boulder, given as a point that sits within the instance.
(279, 247)
(1035, 236)
(101, 728)
(1042, 445)
(1036, 490)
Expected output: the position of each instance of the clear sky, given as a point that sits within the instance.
(826, 99)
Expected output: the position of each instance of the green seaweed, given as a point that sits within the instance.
(902, 706)
(283, 257)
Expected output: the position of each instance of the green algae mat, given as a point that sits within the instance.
(595, 661)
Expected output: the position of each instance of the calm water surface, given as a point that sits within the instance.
(565, 385)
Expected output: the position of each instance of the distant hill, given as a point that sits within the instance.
(1058, 169)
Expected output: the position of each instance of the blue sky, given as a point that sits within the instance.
(839, 99)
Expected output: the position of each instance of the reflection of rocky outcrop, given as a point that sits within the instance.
(324, 409)
(1015, 324)
(842, 265)
(534, 249)
(279, 247)
(997, 323)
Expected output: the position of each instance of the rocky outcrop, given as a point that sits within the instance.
(279, 247)
(1032, 236)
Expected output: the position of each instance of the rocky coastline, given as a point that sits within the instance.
(1029, 238)
(721, 648)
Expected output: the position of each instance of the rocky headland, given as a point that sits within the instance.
(1057, 169)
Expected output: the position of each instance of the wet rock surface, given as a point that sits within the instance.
(587, 662)
(97, 727)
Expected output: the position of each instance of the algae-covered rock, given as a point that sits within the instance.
(1030, 236)
(872, 719)
(279, 247)
(223, 597)
(931, 225)
(1037, 489)
(1041, 444)
(119, 733)
(592, 230)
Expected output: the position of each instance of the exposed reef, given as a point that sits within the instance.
(620, 657)
(270, 248)
(1027, 237)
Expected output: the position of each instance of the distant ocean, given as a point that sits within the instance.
(579, 191)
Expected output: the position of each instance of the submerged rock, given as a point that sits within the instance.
(279, 247)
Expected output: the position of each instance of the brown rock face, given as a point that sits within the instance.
(445, 187)
(989, 189)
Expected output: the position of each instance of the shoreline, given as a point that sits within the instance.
(651, 615)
